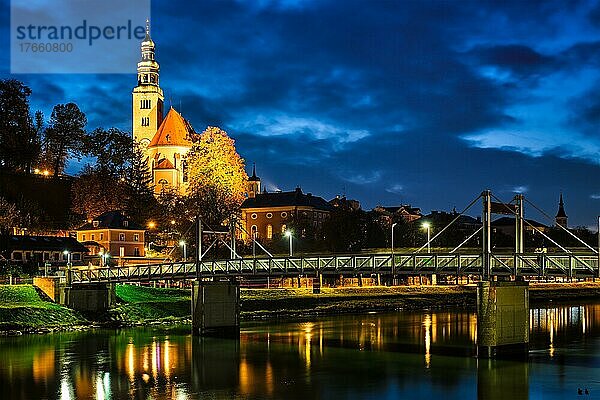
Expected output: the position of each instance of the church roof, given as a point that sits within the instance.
(164, 164)
(174, 131)
(286, 199)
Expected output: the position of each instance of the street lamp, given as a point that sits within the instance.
(427, 226)
(288, 233)
(183, 244)
(68, 269)
(392, 244)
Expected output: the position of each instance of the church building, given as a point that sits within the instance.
(165, 140)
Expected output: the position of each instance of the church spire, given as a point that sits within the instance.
(561, 216)
(147, 67)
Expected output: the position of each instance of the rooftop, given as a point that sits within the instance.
(174, 131)
(290, 199)
(111, 220)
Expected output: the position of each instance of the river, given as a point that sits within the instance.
(408, 354)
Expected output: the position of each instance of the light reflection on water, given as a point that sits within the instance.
(390, 355)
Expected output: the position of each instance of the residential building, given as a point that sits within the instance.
(113, 233)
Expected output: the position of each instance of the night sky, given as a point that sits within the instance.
(389, 102)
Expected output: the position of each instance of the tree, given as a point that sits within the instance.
(65, 136)
(217, 179)
(19, 140)
(9, 216)
(96, 191)
(112, 149)
(141, 204)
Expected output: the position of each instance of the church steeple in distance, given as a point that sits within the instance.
(253, 183)
(561, 216)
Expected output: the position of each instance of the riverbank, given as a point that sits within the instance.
(24, 309)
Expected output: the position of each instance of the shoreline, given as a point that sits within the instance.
(141, 306)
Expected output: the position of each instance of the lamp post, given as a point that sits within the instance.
(183, 244)
(68, 269)
(289, 234)
(392, 244)
(254, 244)
(392, 251)
(427, 226)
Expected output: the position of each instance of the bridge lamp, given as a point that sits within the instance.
(183, 244)
(288, 233)
(427, 225)
(392, 244)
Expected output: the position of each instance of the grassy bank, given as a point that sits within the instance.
(138, 304)
(22, 308)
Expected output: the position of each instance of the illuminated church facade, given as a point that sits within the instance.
(165, 140)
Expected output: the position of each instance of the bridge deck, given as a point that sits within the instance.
(540, 265)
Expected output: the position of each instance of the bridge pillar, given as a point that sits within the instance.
(215, 308)
(502, 319)
(92, 297)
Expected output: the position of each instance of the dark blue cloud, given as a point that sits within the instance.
(406, 101)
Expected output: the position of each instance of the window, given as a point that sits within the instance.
(76, 256)
(102, 236)
(83, 237)
(283, 214)
(121, 237)
(254, 231)
(145, 121)
(136, 237)
(125, 223)
(269, 215)
(185, 170)
(269, 231)
(96, 223)
(253, 216)
(283, 228)
(93, 237)
(136, 251)
(145, 104)
(121, 251)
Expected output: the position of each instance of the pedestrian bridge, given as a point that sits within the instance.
(542, 266)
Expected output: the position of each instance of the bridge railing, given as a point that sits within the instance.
(541, 265)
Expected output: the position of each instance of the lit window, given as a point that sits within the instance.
(269, 231)
(126, 223)
(136, 237)
(283, 228)
(284, 215)
(269, 215)
(96, 223)
(121, 237)
(254, 216)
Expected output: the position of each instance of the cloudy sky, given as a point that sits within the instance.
(389, 102)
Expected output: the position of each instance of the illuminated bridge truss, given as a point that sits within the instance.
(542, 266)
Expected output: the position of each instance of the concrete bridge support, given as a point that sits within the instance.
(81, 297)
(91, 297)
(502, 319)
(215, 308)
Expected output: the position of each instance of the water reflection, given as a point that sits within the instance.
(417, 354)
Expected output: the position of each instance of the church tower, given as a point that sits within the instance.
(147, 95)
(253, 184)
(561, 215)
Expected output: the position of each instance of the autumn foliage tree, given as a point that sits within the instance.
(216, 175)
